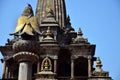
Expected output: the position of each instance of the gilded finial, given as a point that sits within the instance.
(98, 62)
(80, 32)
(49, 10)
(80, 38)
(48, 32)
(46, 65)
(99, 71)
(28, 11)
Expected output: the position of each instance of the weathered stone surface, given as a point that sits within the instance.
(25, 71)
(26, 45)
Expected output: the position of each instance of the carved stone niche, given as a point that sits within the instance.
(46, 71)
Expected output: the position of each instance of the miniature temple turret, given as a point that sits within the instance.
(80, 39)
(99, 71)
(98, 65)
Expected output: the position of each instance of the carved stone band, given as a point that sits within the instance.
(25, 56)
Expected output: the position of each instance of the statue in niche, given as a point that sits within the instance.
(46, 64)
(27, 26)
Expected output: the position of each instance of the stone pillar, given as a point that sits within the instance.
(25, 59)
(6, 72)
(89, 66)
(12, 75)
(4, 69)
(25, 71)
(38, 67)
(72, 68)
(55, 65)
(9, 74)
(25, 54)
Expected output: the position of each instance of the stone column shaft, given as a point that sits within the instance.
(38, 67)
(9, 74)
(89, 66)
(55, 65)
(4, 70)
(72, 69)
(25, 71)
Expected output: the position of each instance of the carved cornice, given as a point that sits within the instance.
(81, 49)
(52, 49)
(25, 56)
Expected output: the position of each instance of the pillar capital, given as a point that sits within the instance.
(73, 57)
(89, 57)
(55, 57)
(25, 56)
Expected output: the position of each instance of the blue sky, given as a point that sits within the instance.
(98, 19)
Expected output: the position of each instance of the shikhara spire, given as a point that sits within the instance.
(58, 7)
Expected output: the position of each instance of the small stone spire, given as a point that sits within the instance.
(68, 19)
(99, 71)
(80, 32)
(98, 63)
(80, 39)
(68, 24)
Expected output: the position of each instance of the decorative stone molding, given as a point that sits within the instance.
(25, 56)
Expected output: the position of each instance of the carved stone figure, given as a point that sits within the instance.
(27, 24)
(46, 65)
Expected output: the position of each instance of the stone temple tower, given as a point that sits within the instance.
(46, 47)
(58, 8)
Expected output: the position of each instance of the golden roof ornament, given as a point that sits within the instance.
(80, 39)
(48, 32)
(27, 23)
(99, 71)
(49, 10)
(28, 11)
(98, 63)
